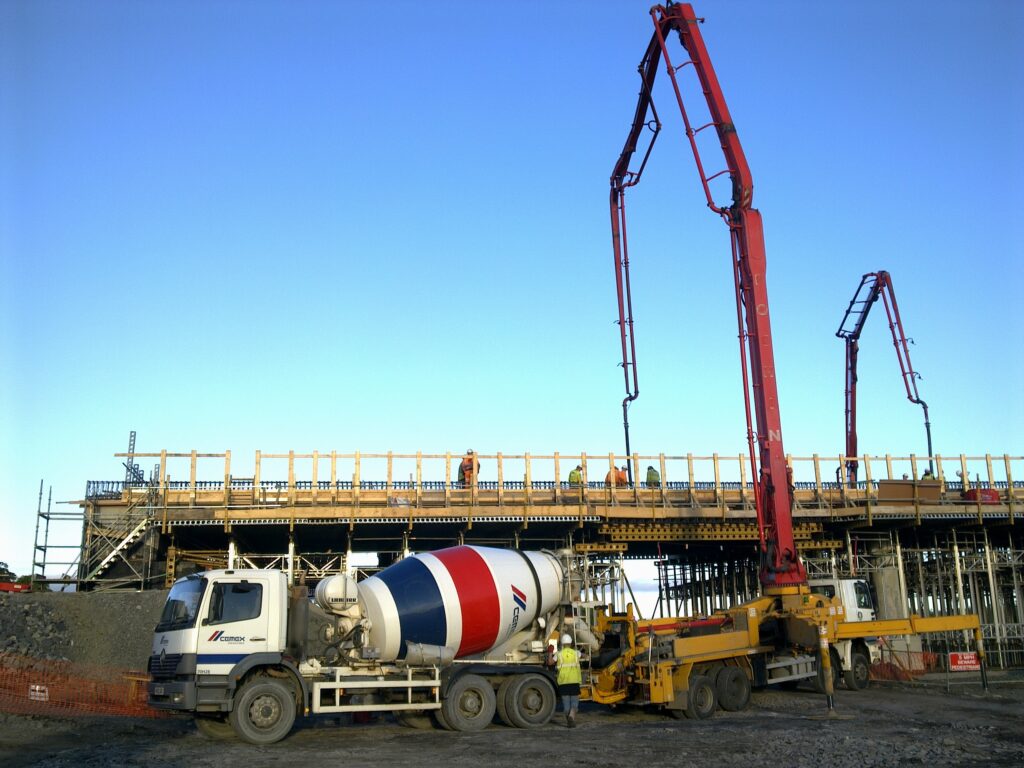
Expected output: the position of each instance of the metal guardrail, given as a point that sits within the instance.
(534, 472)
(114, 489)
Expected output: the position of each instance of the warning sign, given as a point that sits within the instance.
(964, 662)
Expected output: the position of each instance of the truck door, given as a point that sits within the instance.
(857, 600)
(235, 624)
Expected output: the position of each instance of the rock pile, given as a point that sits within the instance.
(106, 629)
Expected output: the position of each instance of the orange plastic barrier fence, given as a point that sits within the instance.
(905, 666)
(31, 686)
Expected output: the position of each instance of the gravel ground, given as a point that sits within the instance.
(889, 725)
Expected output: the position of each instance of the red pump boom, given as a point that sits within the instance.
(872, 285)
(780, 565)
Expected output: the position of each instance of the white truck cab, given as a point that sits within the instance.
(211, 632)
(854, 657)
(855, 595)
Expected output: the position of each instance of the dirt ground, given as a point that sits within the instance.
(888, 725)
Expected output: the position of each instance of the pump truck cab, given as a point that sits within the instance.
(852, 658)
(460, 633)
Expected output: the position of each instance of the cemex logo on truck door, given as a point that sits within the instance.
(520, 600)
(219, 636)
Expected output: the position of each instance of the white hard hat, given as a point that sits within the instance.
(566, 640)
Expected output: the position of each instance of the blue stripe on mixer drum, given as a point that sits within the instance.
(419, 604)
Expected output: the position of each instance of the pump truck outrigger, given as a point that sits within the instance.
(463, 633)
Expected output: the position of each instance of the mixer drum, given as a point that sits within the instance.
(470, 599)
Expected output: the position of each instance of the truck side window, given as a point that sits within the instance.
(863, 595)
(824, 589)
(235, 602)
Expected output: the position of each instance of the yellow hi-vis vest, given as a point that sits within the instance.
(569, 666)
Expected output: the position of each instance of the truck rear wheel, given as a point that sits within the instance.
(701, 701)
(214, 727)
(733, 688)
(530, 701)
(856, 677)
(501, 700)
(264, 711)
(470, 704)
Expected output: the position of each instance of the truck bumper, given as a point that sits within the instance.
(874, 650)
(172, 694)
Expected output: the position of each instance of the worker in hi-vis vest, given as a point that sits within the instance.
(569, 678)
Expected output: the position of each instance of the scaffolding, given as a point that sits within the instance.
(701, 583)
(55, 562)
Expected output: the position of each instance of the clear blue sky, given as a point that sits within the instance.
(366, 226)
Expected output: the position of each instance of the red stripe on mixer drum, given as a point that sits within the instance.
(478, 597)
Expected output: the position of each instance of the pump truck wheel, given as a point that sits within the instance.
(214, 727)
(530, 701)
(264, 711)
(856, 677)
(469, 704)
(733, 688)
(701, 701)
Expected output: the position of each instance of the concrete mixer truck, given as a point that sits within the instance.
(458, 634)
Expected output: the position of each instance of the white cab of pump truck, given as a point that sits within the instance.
(460, 634)
(854, 656)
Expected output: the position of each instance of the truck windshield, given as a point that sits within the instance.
(182, 605)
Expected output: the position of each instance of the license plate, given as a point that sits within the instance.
(158, 690)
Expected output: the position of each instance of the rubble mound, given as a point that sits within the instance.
(103, 629)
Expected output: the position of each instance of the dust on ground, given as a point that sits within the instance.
(887, 725)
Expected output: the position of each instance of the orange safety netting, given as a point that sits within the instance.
(31, 686)
(905, 666)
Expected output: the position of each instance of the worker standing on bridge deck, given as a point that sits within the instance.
(576, 477)
(468, 469)
(622, 477)
(653, 478)
(569, 678)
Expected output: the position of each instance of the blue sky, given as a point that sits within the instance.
(359, 226)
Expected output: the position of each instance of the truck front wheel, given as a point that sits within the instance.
(214, 727)
(264, 711)
(421, 721)
(856, 677)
